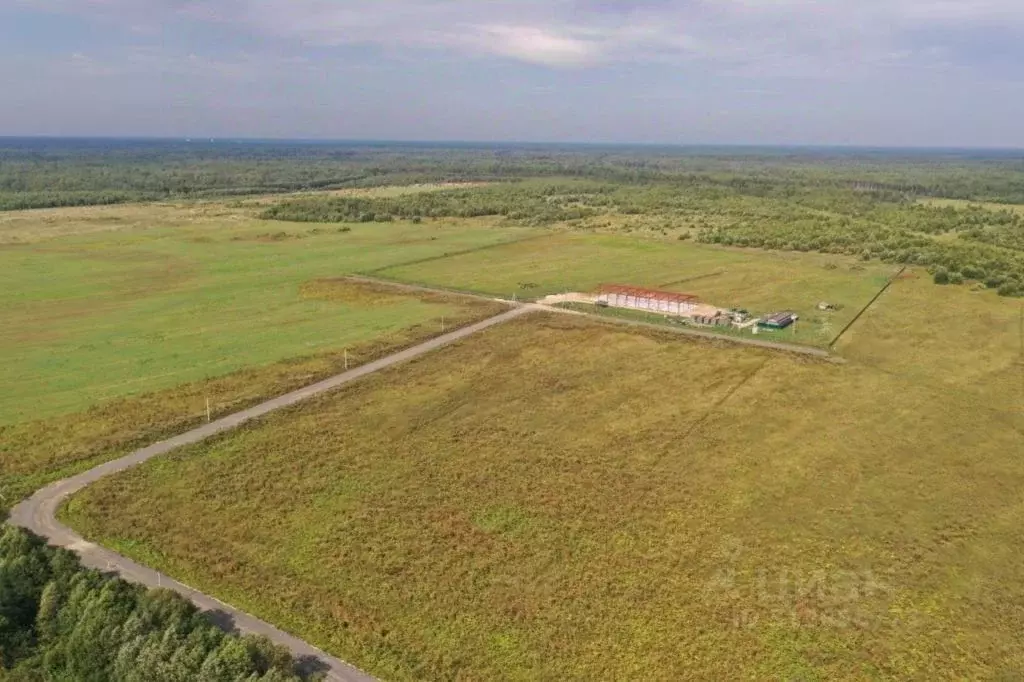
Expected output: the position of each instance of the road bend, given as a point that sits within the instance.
(38, 513)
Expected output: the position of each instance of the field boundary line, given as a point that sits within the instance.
(451, 254)
(706, 275)
(695, 333)
(725, 398)
(38, 513)
(425, 288)
(863, 310)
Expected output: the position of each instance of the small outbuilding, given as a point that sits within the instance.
(778, 320)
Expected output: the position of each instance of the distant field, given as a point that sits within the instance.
(401, 190)
(759, 281)
(562, 499)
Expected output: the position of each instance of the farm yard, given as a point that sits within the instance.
(568, 262)
(559, 496)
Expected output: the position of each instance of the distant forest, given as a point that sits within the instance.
(37, 173)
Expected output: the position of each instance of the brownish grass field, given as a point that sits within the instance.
(561, 498)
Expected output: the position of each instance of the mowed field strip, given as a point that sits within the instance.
(558, 498)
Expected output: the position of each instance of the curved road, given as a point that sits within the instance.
(38, 513)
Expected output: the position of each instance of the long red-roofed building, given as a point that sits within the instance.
(641, 298)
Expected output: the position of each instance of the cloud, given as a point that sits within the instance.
(538, 45)
(772, 37)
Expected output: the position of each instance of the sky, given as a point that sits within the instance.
(810, 72)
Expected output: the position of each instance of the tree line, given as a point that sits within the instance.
(958, 244)
(38, 173)
(61, 621)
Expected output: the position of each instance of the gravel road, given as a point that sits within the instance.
(38, 513)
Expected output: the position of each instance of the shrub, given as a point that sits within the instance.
(1010, 288)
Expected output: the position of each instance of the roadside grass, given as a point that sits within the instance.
(759, 281)
(34, 453)
(560, 498)
(89, 318)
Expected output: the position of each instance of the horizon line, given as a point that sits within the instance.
(201, 139)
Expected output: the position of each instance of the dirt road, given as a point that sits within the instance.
(38, 513)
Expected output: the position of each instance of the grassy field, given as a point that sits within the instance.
(565, 499)
(120, 322)
(92, 317)
(761, 282)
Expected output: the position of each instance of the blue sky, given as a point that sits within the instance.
(858, 72)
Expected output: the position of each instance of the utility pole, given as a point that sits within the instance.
(442, 324)
(346, 359)
(207, 409)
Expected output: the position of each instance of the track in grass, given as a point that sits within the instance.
(38, 514)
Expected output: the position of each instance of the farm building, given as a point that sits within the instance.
(653, 300)
(777, 321)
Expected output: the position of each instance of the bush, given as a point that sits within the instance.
(1011, 288)
(941, 276)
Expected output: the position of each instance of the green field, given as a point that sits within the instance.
(564, 499)
(120, 323)
(93, 317)
(762, 282)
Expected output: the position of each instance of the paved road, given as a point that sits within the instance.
(38, 513)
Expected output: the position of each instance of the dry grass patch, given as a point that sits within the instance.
(563, 499)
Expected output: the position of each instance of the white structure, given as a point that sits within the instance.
(653, 300)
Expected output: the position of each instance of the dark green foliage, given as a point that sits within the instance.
(59, 621)
(41, 173)
(528, 203)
